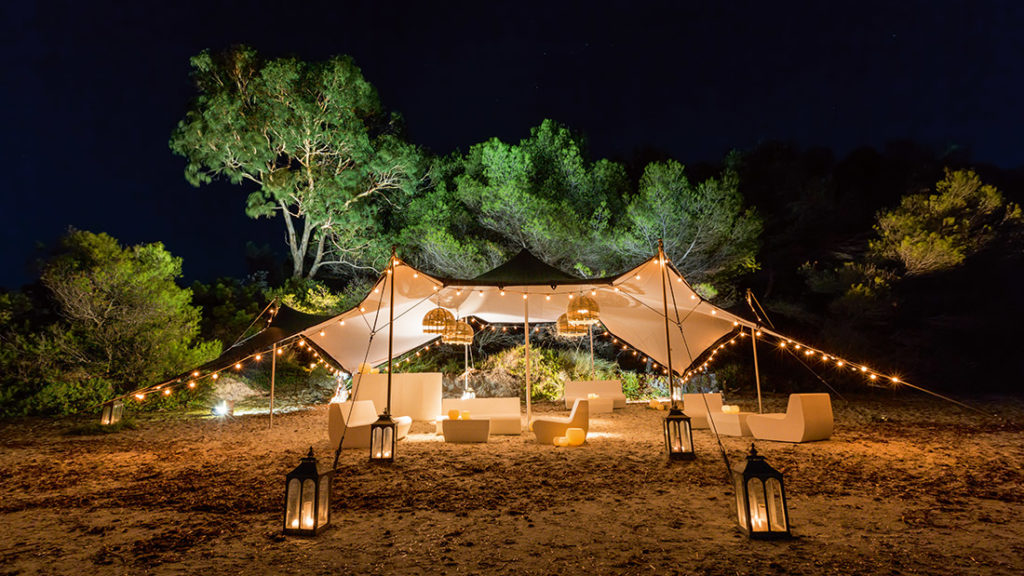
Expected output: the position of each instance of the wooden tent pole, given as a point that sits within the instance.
(590, 329)
(273, 371)
(664, 304)
(526, 331)
(757, 373)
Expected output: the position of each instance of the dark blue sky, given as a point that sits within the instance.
(92, 90)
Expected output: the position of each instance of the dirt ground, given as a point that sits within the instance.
(906, 485)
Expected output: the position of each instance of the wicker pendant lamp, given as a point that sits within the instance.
(566, 330)
(583, 311)
(437, 321)
(460, 333)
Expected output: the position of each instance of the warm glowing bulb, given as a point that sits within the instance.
(167, 392)
(312, 364)
(593, 292)
(415, 274)
(616, 288)
(570, 296)
(435, 288)
(458, 292)
(376, 290)
(873, 377)
(195, 374)
(782, 344)
(797, 347)
(839, 362)
(758, 333)
(693, 296)
(637, 276)
(714, 312)
(140, 396)
(191, 384)
(341, 322)
(895, 380)
(362, 308)
(548, 297)
(502, 292)
(302, 343)
(280, 351)
(863, 368)
(525, 296)
(215, 376)
(322, 333)
(238, 366)
(735, 323)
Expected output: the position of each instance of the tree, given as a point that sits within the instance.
(313, 139)
(931, 232)
(707, 231)
(123, 322)
(541, 194)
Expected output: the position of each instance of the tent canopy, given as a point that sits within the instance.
(524, 288)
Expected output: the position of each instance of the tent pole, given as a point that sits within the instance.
(391, 327)
(757, 373)
(526, 336)
(668, 338)
(273, 371)
(590, 329)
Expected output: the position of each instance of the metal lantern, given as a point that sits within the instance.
(383, 436)
(437, 321)
(583, 311)
(567, 330)
(678, 435)
(112, 412)
(761, 499)
(307, 499)
(460, 333)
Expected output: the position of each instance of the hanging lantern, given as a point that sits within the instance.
(307, 508)
(583, 311)
(383, 435)
(437, 321)
(566, 330)
(112, 412)
(761, 499)
(460, 333)
(678, 436)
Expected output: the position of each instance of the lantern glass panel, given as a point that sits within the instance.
(323, 505)
(308, 493)
(776, 508)
(292, 507)
(382, 439)
(741, 502)
(758, 505)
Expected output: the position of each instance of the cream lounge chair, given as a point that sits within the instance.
(547, 429)
(808, 418)
(363, 414)
(695, 408)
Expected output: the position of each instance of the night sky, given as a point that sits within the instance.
(92, 91)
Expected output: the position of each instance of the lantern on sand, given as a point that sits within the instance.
(437, 321)
(761, 499)
(112, 412)
(583, 311)
(383, 436)
(678, 435)
(307, 508)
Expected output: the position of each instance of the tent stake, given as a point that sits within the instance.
(526, 332)
(757, 373)
(273, 370)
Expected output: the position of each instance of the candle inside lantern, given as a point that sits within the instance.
(576, 436)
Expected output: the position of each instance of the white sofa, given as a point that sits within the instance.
(603, 388)
(413, 394)
(353, 420)
(504, 413)
(547, 429)
(697, 407)
(808, 418)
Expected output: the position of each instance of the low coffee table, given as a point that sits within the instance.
(466, 431)
(731, 424)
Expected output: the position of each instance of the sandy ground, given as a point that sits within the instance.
(907, 485)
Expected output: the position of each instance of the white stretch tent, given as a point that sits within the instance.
(526, 289)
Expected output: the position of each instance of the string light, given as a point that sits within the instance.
(259, 357)
(215, 376)
(238, 366)
(167, 392)
(322, 333)
(191, 384)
